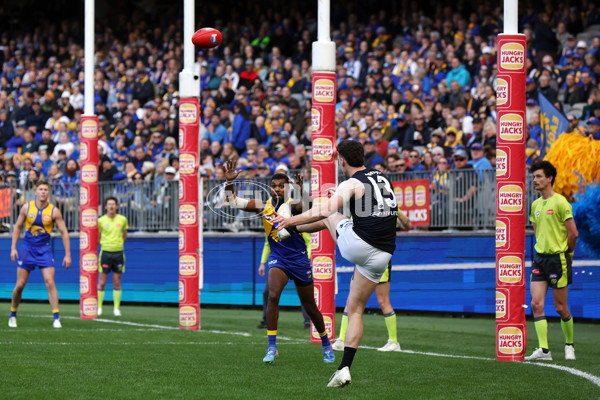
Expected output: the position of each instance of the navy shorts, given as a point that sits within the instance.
(556, 269)
(112, 261)
(32, 257)
(300, 272)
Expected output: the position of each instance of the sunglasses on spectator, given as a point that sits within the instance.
(459, 159)
(400, 165)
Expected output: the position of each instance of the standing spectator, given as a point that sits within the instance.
(241, 127)
(545, 41)
(7, 129)
(143, 88)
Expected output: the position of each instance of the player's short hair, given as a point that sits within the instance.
(109, 198)
(547, 167)
(280, 176)
(353, 152)
(41, 182)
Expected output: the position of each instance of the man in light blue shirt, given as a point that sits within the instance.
(478, 161)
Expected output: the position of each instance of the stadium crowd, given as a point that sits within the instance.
(416, 87)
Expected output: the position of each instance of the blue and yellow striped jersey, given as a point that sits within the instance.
(38, 224)
(293, 247)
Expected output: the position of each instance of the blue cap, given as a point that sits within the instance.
(252, 166)
(577, 56)
(528, 80)
(429, 98)
(531, 102)
(593, 121)
(477, 146)
(393, 145)
(383, 117)
(467, 89)
(401, 117)
(387, 65)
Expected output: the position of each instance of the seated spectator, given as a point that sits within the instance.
(140, 158)
(46, 143)
(415, 161)
(372, 157)
(119, 154)
(156, 146)
(107, 170)
(63, 144)
(67, 190)
(30, 146)
(215, 131)
(478, 161)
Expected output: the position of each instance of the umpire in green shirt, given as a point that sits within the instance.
(112, 229)
(556, 236)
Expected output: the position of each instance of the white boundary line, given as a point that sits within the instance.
(592, 378)
(448, 266)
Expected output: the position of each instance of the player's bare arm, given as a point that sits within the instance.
(305, 200)
(231, 174)
(64, 233)
(403, 221)
(347, 190)
(572, 234)
(14, 254)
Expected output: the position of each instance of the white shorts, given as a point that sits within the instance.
(370, 261)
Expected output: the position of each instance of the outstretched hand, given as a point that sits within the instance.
(281, 222)
(230, 172)
(299, 181)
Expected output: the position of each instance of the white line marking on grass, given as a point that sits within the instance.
(592, 378)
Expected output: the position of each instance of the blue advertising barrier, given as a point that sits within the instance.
(441, 273)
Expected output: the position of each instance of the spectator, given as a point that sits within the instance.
(415, 161)
(63, 144)
(458, 73)
(241, 127)
(107, 170)
(371, 155)
(478, 161)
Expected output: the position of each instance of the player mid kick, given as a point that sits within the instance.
(288, 258)
(39, 217)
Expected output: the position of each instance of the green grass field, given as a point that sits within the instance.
(142, 355)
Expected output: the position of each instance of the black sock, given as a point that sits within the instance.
(545, 350)
(348, 357)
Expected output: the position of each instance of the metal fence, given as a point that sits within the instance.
(459, 200)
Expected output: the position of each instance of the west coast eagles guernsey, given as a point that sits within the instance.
(38, 225)
(291, 251)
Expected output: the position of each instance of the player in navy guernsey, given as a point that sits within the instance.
(288, 258)
(368, 240)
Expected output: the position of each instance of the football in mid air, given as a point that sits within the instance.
(207, 38)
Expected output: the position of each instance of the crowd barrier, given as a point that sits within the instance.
(152, 206)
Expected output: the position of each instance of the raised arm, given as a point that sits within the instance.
(305, 200)
(230, 197)
(64, 233)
